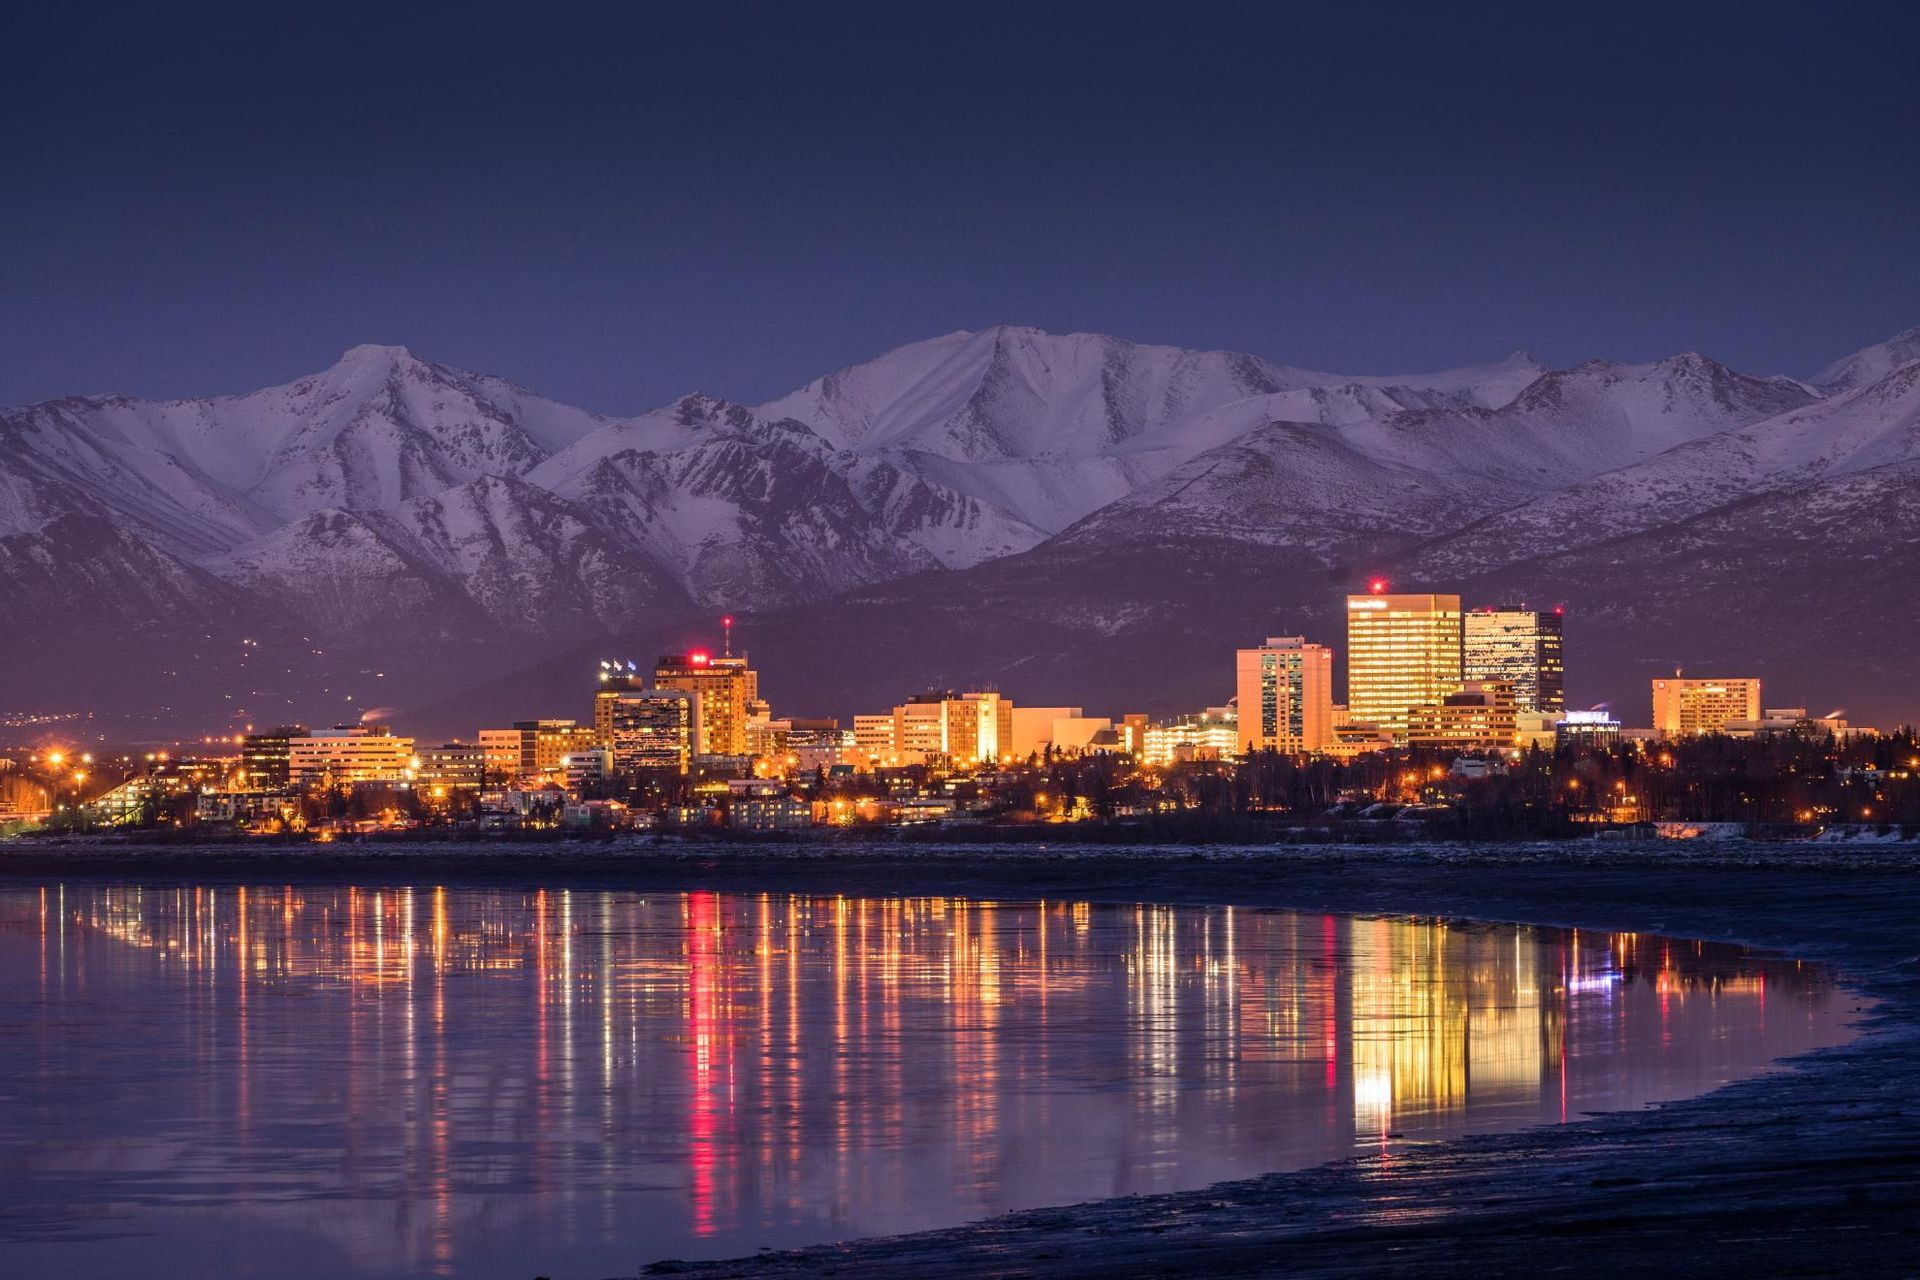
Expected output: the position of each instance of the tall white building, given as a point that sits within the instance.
(1285, 695)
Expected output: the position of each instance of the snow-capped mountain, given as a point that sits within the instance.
(1043, 429)
(981, 498)
(1422, 472)
(1870, 364)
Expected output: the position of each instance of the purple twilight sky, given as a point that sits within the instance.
(615, 204)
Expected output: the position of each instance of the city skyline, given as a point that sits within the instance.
(689, 742)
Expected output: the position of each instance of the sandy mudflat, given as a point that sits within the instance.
(1809, 1170)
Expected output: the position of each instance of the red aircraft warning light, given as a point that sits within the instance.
(699, 658)
(1378, 586)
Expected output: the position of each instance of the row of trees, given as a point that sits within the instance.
(1802, 779)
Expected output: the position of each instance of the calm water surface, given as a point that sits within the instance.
(340, 1082)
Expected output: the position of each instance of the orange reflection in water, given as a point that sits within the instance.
(424, 1077)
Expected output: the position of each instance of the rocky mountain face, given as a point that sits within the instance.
(1071, 517)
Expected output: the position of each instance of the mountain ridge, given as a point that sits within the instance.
(390, 504)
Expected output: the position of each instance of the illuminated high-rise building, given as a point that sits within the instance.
(1683, 706)
(615, 678)
(1285, 696)
(650, 730)
(1521, 647)
(979, 728)
(726, 693)
(1403, 651)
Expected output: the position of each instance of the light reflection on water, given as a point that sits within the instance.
(332, 1081)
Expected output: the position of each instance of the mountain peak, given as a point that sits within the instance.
(375, 358)
(374, 351)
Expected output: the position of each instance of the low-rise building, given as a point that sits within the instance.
(1212, 734)
(1587, 729)
(780, 812)
(1480, 716)
(1684, 706)
(453, 766)
(350, 754)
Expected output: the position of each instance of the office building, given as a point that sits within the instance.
(587, 768)
(544, 744)
(651, 731)
(1403, 651)
(615, 678)
(1284, 693)
(1213, 734)
(1684, 706)
(453, 766)
(265, 757)
(350, 753)
(920, 729)
(1522, 647)
(979, 729)
(941, 729)
(873, 740)
(725, 692)
(1478, 717)
(500, 755)
(1595, 729)
(815, 745)
(767, 738)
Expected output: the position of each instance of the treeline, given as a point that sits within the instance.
(1797, 779)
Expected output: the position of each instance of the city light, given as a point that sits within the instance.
(1449, 706)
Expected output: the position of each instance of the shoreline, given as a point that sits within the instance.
(1808, 1169)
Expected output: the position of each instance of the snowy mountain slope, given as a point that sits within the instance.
(496, 553)
(1425, 473)
(754, 514)
(1859, 430)
(1048, 428)
(1296, 484)
(78, 456)
(379, 427)
(88, 571)
(683, 444)
(1869, 364)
